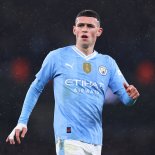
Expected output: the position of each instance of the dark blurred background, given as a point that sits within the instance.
(30, 29)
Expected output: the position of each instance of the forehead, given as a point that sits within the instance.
(87, 20)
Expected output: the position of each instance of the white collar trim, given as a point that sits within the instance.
(87, 57)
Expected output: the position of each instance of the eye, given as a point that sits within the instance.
(90, 26)
(80, 25)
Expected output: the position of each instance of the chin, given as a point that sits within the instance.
(85, 46)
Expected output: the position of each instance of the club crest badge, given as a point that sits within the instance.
(102, 70)
(87, 67)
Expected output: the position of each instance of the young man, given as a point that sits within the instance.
(81, 77)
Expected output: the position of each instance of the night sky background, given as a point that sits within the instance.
(30, 29)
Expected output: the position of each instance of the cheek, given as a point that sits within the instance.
(77, 34)
(93, 34)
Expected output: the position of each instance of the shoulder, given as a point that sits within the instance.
(59, 51)
(56, 55)
(106, 58)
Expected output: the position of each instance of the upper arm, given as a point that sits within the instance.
(116, 84)
(47, 70)
(116, 77)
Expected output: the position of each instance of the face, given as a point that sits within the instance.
(86, 30)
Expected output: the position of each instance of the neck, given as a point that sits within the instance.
(86, 50)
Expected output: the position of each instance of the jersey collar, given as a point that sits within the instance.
(87, 57)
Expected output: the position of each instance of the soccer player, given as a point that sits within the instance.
(81, 77)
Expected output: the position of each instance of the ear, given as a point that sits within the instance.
(74, 30)
(99, 32)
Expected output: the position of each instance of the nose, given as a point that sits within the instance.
(85, 29)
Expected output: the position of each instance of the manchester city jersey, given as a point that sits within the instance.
(80, 85)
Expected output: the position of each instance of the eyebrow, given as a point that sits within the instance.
(89, 25)
(98, 23)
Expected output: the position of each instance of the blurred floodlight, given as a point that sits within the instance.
(146, 73)
(20, 70)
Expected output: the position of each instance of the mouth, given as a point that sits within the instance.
(84, 36)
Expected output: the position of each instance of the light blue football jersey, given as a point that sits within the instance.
(80, 85)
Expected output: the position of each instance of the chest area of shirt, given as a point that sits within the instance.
(94, 69)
